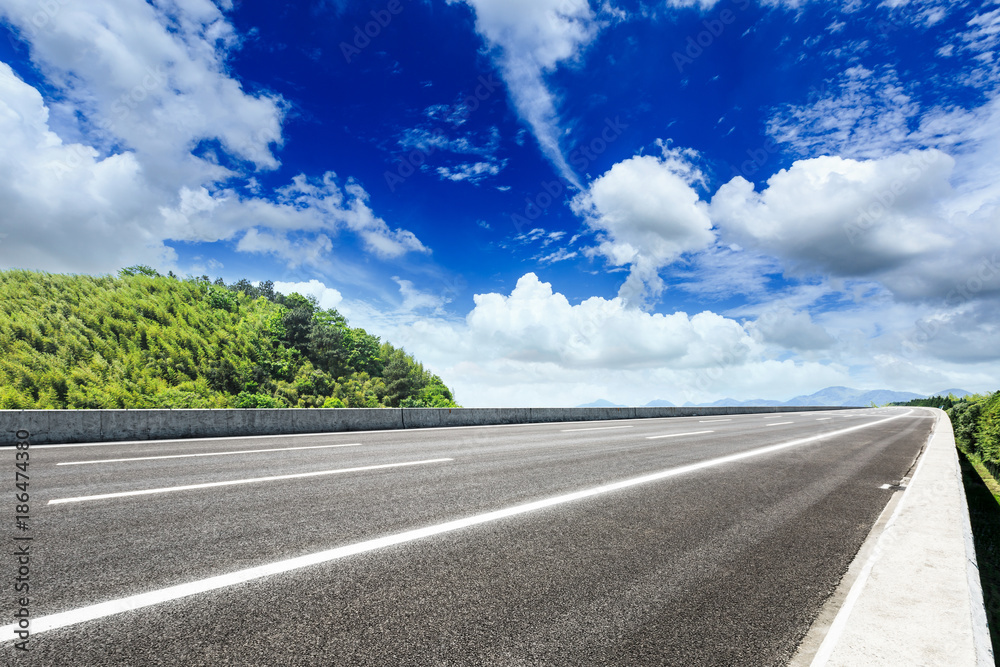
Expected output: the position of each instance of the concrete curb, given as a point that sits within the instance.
(70, 426)
(917, 599)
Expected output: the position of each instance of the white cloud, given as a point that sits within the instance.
(532, 347)
(869, 115)
(724, 271)
(63, 204)
(327, 297)
(530, 39)
(471, 172)
(646, 213)
(793, 330)
(416, 299)
(848, 217)
(152, 82)
(151, 76)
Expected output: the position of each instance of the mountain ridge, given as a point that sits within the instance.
(836, 396)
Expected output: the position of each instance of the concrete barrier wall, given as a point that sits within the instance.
(66, 426)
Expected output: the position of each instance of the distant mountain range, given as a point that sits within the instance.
(831, 396)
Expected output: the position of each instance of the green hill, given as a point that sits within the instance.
(141, 340)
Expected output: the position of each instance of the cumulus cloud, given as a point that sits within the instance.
(152, 76)
(55, 196)
(140, 87)
(326, 297)
(646, 213)
(789, 329)
(530, 39)
(535, 324)
(847, 217)
(533, 347)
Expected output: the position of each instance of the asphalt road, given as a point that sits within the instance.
(713, 563)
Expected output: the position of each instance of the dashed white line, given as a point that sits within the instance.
(104, 609)
(712, 421)
(184, 456)
(823, 419)
(778, 423)
(676, 435)
(774, 417)
(595, 428)
(170, 489)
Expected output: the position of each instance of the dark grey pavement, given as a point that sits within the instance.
(726, 565)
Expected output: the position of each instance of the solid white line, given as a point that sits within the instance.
(184, 456)
(596, 428)
(353, 434)
(712, 421)
(778, 423)
(676, 435)
(169, 489)
(104, 609)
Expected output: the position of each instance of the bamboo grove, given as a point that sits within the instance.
(142, 340)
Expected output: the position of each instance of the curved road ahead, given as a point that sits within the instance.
(683, 541)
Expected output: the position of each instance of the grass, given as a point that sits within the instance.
(983, 493)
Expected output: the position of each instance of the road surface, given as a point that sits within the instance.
(683, 541)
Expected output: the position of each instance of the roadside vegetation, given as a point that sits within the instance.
(976, 422)
(142, 340)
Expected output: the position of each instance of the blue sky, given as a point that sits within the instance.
(546, 201)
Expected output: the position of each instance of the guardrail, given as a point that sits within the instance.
(68, 426)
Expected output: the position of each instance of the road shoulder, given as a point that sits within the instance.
(913, 594)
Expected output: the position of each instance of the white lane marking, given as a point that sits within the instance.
(823, 419)
(676, 435)
(778, 423)
(184, 456)
(596, 428)
(169, 489)
(194, 440)
(712, 421)
(774, 417)
(131, 603)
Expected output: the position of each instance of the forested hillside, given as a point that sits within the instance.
(141, 340)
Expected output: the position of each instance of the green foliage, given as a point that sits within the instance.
(247, 400)
(976, 420)
(141, 340)
(139, 270)
(943, 402)
(988, 434)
